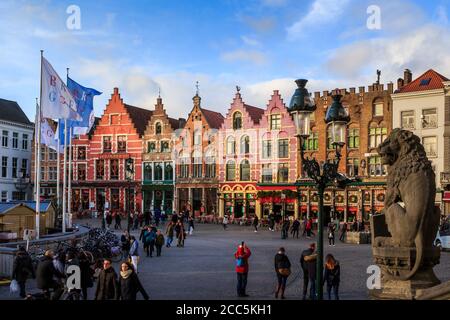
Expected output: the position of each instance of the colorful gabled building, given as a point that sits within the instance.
(238, 159)
(197, 180)
(117, 137)
(158, 180)
(278, 160)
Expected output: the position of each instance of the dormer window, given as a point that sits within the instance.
(237, 121)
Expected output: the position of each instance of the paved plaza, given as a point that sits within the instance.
(204, 268)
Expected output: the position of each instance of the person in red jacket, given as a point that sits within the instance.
(242, 254)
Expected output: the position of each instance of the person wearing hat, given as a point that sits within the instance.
(22, 269)
(46, 274)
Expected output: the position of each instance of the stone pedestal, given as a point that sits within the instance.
(357, 237)
(396, 262)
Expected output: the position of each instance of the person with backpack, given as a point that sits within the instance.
(242, 255)
(22, 269)
(282, 270)
(159, 242)
(332, 276)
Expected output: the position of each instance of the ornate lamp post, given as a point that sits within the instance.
(129, 175)
(22, 183)
(301, 107)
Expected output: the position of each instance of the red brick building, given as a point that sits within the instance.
(117, 136)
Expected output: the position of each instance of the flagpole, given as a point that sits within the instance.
(38, 180)
(58, 170)
(36, 127)
(64, 178)
(69, 195)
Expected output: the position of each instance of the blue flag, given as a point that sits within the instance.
(84, 98)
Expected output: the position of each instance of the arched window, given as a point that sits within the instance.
(237, 121)
(353, 138)
(158, 171)
(245, 171)
(168, 172)
(377, 108)
(196, 164)
(165, 146)
(151, 147)
(231, 171)
(158, 128)
(210, 164)
(245, 145)
(231, 146)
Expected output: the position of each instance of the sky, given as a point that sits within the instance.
(142, 47)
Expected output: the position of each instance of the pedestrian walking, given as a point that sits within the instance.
(22, 270)
(308, 265)
(136, 221)
(285, 228)
(107, 285)
(332, 276)
(174, 217)
(343, 232)
(331, 234)
(282, 270)
(87, 274)
(255, 223)
(271, 221)
(125, 243)
(181, 234)
(191, 225)
(169, 233)
(225, 222)
(129, 284)
(134, 253)
(242, 255)
(118, 220)
(45, 277)
(159, 242)
(150, 236)
(109, 220)
(295, 228)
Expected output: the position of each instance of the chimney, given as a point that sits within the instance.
(400, 83)
(407, 76)
(390, 87)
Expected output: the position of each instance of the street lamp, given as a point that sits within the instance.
(301, 107)
(130, 171)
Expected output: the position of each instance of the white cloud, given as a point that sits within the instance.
(321, 12)
(252, 56)
(420, 49)
(250, 41)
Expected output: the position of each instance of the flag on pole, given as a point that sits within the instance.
(56, 102)
(84, 98)
(48, 136)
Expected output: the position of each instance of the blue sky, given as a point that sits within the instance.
(260, 45)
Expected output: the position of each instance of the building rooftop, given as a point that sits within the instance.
(430, 80)
(11, 111)
(214, 119)
(139, 116)
(254, 112)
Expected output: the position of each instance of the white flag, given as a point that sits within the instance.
(57, 101)
(48, 136)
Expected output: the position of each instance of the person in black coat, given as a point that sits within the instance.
(107, 285)
(295, 228)
(283, 270)
(46, 274)
(332, 276)
(22, 269)
(308, 265)
(87, 274)
(129, 284)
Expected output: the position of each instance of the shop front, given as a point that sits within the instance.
(238, 201)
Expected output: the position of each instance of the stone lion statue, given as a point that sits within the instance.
(409, 207)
